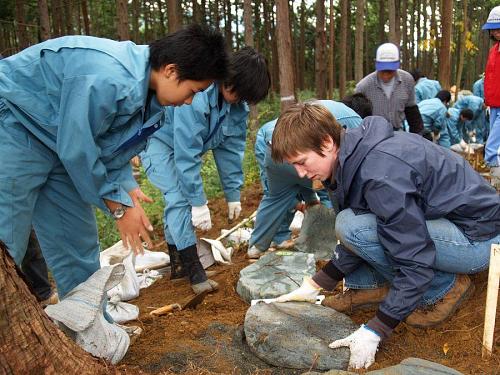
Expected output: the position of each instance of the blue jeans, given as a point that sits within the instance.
(492, 150)
(454, 254)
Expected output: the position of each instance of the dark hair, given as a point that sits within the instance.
(248, 75)
(467, 113)
(199, 52)
(417, 74)
(444, 96)
(360, 104)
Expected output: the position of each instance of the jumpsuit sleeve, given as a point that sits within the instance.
(88, 107)
(229, 160)
(402, 232)
(189, 123)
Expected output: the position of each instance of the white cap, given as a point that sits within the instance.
(493, 21)
(387, 57)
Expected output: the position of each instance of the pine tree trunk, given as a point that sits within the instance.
(404, 32)
(301, 61)
(445, 47)
(43, 12)
(30, 343)
(248, 24)
(174, 16)
(331, 53)
(320, 76)
(21, 32)
(461, 55)
(285, 57)
(392, 22)
(344, 16)
(359, 39)
(122, 20)
(163, 29)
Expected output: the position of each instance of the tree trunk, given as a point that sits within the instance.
(301, 60)
(163, 29)
(331, 53)
(21, 31)
(122, 20)
(344, 16)
(285, 57)
(320, 50)
(359, 39)
(174, 16)
(68, 18)
(30, 342)
(85, 16)
(56, 11)
(392, 22)
(381, 21)
(228, 22)
(136, 12)
(248, 24)
(43, 11)
(445, 47)
(431, 71)
(461, 55)
(404, 32)
(349, 49)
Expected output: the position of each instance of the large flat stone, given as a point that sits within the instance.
(408, 366)
(275, 274)
(317, 235)
(296, 335)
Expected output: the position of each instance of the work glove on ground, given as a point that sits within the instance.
(307, 292)
(234, 210)
(363, 344)
(200, 217)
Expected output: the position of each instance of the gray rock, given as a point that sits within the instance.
(317, 234)
(409, 366)
(275, 274)
(297, 334)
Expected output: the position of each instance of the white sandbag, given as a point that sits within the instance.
(129, 286)
(239, 236)
(296, 223)
(121, 312)
(80, 315)
(148, 278)
(151, 260)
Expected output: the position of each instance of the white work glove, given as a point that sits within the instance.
(234, 210)
(200, 216)
(363, 344)
(307, 292)
(465, 147)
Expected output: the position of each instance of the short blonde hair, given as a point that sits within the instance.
(303, 127)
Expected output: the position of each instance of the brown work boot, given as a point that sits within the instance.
(434, 314)
(355, 299)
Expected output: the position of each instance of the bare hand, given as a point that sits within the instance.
(134, 227)
(138, 196)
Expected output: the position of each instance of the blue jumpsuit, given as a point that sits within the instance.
(283, 188)
(433, 113)
(478, 123)
(426, 89)
(72, 114)
(456, 127)
(173, 158)
(478, 88)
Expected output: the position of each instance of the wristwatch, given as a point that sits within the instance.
(119, 212)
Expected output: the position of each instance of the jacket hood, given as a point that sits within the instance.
(356, 144)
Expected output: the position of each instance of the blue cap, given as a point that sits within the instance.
(387, 57)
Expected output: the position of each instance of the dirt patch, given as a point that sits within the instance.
(209, 339)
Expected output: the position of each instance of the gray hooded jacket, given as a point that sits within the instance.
(404, 180)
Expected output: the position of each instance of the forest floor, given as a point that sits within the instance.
(209, 339)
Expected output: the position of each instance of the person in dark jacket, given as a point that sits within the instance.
(415, 219)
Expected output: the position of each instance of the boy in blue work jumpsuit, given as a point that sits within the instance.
(476, 129)
(282, 186)
(73, 112)
(217, 121)
(434, 112)
(424, 88)
(456, 124)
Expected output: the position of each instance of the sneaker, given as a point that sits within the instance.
(52, 300)
(356, 299)
(254, 253)
(434, 314)
(287, 244)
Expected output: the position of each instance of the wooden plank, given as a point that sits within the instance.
(491, 301)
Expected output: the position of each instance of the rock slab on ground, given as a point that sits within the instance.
(296, 335)
(409, 366)
(275, 274)
(317, 235)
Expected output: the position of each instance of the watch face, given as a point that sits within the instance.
(119, 212)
